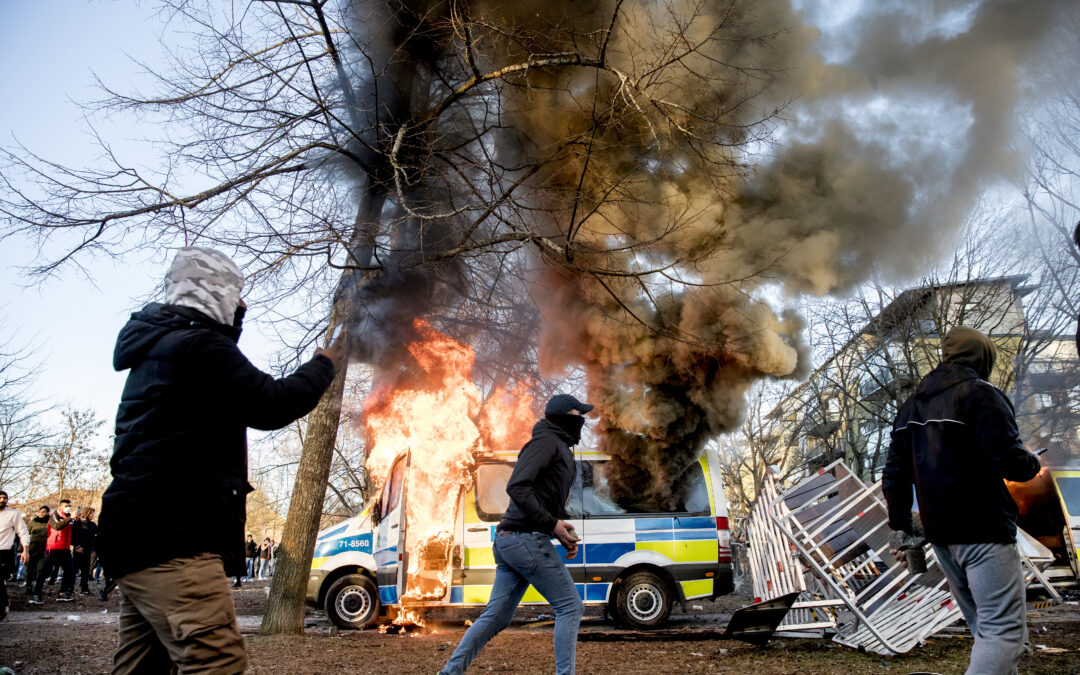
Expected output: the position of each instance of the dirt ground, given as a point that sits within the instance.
(78, 637)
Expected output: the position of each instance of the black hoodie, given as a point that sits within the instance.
(541, 480)
(179, 464)
(955, 440)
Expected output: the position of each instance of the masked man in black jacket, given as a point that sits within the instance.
(524, 554)
(181, 438)
(956, 440)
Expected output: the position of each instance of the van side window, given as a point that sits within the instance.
(392, 491)
(598, 501)
(491, 497)
(1070, 493)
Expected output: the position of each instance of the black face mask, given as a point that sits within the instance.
(238, 316)
(571, 424)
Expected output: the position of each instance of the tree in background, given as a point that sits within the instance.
(22, 434)
(74, 457)
(759, 448)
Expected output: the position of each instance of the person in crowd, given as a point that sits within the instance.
(265, 551)
(20, 566)
(524, 555)
(181, 438)
(95, 564)
(275, 548)
(12, 526)
(58, 555)
(39, 535)
(251, 550)
(955, 440)
(83, 536)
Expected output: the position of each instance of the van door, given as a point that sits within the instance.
(390, 563)
(484, 507)
(1068, 488)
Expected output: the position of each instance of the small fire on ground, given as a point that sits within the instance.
(444, 422)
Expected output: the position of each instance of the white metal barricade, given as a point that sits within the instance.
(1036, 558)
(776, 570)
(838, 526)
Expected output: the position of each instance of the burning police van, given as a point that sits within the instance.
(637, 560)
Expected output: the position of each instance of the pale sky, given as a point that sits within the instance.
(47, 51)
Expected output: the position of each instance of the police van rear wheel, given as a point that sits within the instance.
(643, 601)
(352, 603)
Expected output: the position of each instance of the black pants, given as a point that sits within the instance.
(33, 566)
(82, 564)
(57, 559)
(7, 568)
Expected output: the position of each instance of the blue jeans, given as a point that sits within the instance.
(988, 583)
(523, 558)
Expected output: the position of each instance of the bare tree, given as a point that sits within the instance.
(759, 448)
(22, 434)
(874, 348)
(74, 458)
(377, 161)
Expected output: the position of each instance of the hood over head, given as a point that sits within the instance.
(206, 280)
(968, 347)
(153, 322)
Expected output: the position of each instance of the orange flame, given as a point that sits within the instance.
(445, 424)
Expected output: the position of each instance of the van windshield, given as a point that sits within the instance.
(593, 491)
(592, 496)
(1070, 493)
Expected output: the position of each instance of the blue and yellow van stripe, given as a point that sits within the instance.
(331, 543)
(688, 542)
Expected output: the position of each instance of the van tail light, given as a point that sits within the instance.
(723, 540)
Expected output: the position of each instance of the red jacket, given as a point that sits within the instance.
(59, 533)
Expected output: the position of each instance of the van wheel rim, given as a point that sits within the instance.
(353, 603)
(644, 602)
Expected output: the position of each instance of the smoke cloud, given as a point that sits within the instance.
(727, 156)
(885, 150)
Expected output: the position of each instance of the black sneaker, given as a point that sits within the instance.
(36, 599)
(65, 597)
(103, 595)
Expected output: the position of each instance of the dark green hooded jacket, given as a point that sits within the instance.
(956, 440)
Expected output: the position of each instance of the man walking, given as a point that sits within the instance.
(251, 550)
(39, 535)
(57, 556)
(11, 525)
(181, 438)
(955, 440)
(524, 554)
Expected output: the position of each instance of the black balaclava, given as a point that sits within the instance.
(571, 424)
(968, 347)
(238, 316)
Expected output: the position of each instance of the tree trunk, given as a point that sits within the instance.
(288, 586)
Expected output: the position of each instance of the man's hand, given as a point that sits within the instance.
(564, 532)
(901, 556)
(25, 557)
(335, 352)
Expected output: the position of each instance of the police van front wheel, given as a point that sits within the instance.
(643, 601)
(352, 602)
